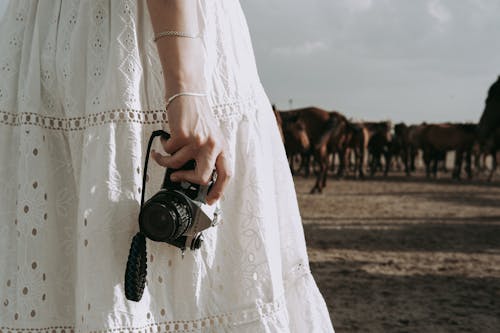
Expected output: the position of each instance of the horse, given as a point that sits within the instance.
(406, 142)
(436, 139)
(379, 143)
(279, 121)
(489, 124)
(342, 138)
(295, 138)
(490, 118)
(315, 123)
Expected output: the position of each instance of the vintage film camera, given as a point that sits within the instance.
(177, 215)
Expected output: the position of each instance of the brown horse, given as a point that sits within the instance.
(492, 146)
(490, 119)
(279, 121)
(341, 137)
(296, 139)
(314, 122)
(406, 142)
(438, 138)
(379, 141)
(489, 124)
(347, 138)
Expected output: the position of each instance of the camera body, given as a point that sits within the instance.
(177, 214)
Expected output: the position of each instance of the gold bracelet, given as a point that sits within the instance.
(175, 33)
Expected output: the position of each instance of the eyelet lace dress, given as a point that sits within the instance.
(81, 90)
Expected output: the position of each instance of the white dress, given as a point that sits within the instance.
(81, 90)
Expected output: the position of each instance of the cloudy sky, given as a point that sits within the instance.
(410, 60)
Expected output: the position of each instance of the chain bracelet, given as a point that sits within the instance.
(175, 33)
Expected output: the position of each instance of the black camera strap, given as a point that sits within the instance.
(166, 136)
(136, 271)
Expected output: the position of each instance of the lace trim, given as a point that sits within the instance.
(223, 112)
(82, 123)
(229, 319)
(235, 109)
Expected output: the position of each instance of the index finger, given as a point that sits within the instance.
(223, 176)
(171, 145)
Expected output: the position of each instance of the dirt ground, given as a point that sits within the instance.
(406, 254)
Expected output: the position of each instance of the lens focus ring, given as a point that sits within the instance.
(165, 217)
(183, 218)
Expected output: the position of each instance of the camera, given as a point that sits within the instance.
(177, 214)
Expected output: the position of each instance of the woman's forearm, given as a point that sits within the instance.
(182, 58)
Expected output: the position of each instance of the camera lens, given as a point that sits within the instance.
(165, 218)
(159, 221)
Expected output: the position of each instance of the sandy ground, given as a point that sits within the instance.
(406, 254)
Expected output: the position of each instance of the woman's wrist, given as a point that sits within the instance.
(184, 83)
(174, 87)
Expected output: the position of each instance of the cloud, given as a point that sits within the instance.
(439, 11)
(306, 48)
(358, 5)
(408, 60)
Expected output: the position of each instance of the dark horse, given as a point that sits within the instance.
(316, 124)
(379, 144)
(438, 138)
(489, 124)
(405, 142)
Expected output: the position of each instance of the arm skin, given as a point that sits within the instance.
(181, 57)
(195, 133)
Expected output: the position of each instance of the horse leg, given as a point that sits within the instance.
(387, 157)
(325, 174)
(323, 161)
(468, 161)
(427, 162)
(332, 165)
(361, 157)
(457, 170)
(321, 157)
(413, 155)
(306, 164)
(342, 162)
(494, 163)
(405, 161)
(373, 163)
(316, 187)
(435, 159)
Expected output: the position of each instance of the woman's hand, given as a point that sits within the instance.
(195, 135)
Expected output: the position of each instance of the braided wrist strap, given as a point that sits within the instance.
(136, 271)
(184, 93)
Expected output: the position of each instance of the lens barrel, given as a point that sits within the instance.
(165, 217)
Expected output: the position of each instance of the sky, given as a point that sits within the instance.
(403, 60)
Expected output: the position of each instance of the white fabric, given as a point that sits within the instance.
(81, 90)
